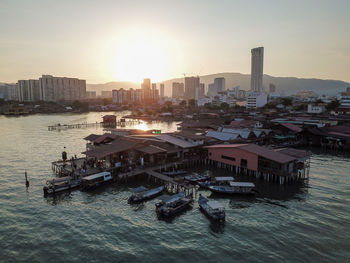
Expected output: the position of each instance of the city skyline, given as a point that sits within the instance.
(93, 43)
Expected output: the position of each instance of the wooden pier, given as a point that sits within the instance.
(93, 124)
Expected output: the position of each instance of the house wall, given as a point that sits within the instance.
(215, 154)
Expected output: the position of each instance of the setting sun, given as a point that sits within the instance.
(137, 54)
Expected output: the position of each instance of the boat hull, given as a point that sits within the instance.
(231, 191)
(136, 199)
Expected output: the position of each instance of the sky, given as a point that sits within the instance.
(103, 41)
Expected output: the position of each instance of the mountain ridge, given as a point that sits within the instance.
(286, 85)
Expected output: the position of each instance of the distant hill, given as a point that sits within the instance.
(112, 85)
(288, 85)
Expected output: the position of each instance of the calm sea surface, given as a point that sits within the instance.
(301, 223)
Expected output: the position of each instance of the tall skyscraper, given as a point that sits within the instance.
(178, 90)
(272, 88)
(161, 89)
(191, 84)
(146, 89)
(256, 79)
(219, 84)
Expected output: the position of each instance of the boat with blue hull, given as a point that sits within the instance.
(212, 209)
(142, 194)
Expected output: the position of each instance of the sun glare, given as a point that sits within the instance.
(136, 55)
(142, 126)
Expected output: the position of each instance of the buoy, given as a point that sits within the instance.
(27, 182)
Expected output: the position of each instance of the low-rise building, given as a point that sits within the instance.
(256, 100)
(315, 109)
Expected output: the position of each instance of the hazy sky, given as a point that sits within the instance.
(104, 40)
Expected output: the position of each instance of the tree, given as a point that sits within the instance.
(224, 106)
(333, 105)
(287, 102)
(192, 103)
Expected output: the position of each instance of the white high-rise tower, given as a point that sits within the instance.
(256, 81)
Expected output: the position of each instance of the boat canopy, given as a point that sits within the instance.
(61, 179)
(242, 184)
(175, 197)
(95, 176)
(224, 178)
(215, 205)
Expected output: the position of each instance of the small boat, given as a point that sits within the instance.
(212, 209)
(173, 205)
(95, 180)
(174, 173)
(57, 185)
(195, 178)
(222, 180)
(234, 188)
(141, 194)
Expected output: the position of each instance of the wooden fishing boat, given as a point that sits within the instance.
(141, 194)
(93, 181)
(173, 205)
(234, 188)
(196, 178)
(211, 208)
(61, 184)
(175, 173)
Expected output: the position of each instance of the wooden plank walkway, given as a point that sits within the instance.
(161, 176)
(93, 124)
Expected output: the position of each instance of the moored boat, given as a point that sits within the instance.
(211, 208)
(234, 188)
(95, 180)
(196, 178)
(141, 194)
(58, 185)
(173, 205)
(222, 180)
(174, 173)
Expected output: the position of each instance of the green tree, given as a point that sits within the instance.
(192, 103)
(287, 102)
(224, 106)
(333, 105)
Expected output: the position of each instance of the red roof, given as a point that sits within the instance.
(260, 151)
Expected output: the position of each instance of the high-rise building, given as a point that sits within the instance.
(28, 90)
(256, 79)
(61, 88)
(256, 100)
(212, 91)
(146, 88)
(201, 90)
(272, 88)
(191, 84)
(219, 84)
(178, 90)
(9, 92)
(161, 89)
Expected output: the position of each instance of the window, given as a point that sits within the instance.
(228, 158)
(244, 163)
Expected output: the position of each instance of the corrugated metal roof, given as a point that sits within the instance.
(222, 136)
(175, 141)
(260, 151)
